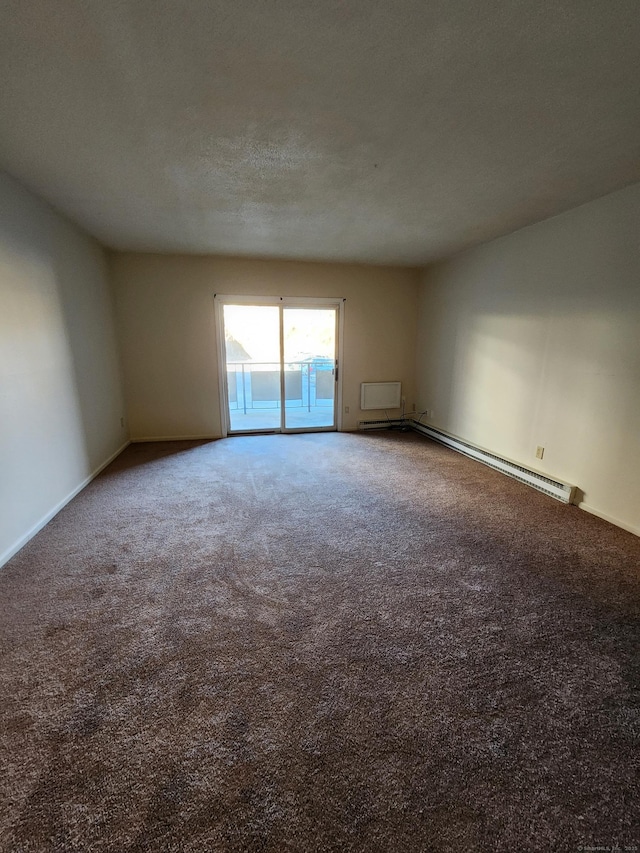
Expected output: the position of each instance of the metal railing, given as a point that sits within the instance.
(256, 385)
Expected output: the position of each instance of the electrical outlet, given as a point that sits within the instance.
(539, 452)
(346, 410)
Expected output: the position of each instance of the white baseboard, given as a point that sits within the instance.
(142, 439)
(37, 527)
(628, 527)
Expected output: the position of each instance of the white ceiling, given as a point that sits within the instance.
(383, 131)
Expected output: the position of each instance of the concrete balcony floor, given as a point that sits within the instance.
(298, 417)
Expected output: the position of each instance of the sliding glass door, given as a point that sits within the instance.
(252, 351)
(309, 361)
(280, 365)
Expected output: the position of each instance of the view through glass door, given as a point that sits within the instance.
(281, 367)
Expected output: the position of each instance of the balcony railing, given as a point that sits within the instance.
(256, 385)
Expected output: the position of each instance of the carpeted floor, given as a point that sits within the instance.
(323, 642)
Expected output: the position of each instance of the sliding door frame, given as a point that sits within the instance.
(222, 299)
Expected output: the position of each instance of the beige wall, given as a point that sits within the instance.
(60, 389)
(534, 339)
(168, 339)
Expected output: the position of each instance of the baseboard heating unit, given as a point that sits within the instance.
(386, 423)
(556, 489)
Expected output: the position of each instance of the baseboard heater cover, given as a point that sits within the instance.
(556, 489)
(386, 423)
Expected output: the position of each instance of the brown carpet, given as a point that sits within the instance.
(318, 643)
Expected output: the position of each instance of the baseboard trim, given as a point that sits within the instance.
(615, 521)
(37, 527)
(144, 439)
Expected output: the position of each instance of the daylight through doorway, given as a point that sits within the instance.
(280, 367)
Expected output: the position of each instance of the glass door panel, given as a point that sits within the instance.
(252, 348)
(309, 347)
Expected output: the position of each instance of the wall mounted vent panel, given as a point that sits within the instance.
(380, 395)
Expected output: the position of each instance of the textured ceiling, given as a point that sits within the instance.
(384, 131)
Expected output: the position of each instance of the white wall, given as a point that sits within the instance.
(60, 390)
(168, 338)
(534, 339)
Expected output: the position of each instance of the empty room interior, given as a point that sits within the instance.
(319, 425)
